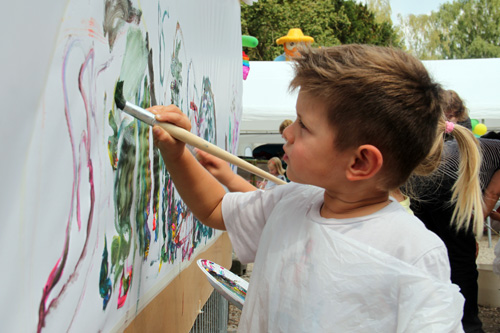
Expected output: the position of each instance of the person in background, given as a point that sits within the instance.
(403, 199)
(431, 197)
(332, 244)
(276, 169)
(455, 110)
(284, 124)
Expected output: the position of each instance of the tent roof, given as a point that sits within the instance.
(267, 101)
(475, 80)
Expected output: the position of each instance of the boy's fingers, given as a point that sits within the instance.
(161, 110)
(171, 114)
(166, 108)
(161, 136)
(200, 154)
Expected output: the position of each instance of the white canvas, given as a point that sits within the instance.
(92, 228)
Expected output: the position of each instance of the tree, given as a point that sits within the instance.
(459, 30)
(381, 9)
(329, 22)
(420, 36)
(470, 29)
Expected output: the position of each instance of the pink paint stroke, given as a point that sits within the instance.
(85, 142)
(123, 298)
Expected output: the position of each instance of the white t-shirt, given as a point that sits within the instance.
(271, 184)
(384, 272)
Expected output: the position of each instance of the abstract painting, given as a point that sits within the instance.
(103, 227)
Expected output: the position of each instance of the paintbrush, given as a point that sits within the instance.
(188, 137)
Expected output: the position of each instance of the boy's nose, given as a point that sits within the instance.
(287, 133)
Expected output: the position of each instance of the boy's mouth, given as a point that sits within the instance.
(285, 155)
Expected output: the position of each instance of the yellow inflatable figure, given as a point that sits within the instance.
(294, 38)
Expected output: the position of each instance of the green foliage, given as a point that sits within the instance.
(381, 9)
(329, 22)
(470, 29)
(420, 36)
(461, 29)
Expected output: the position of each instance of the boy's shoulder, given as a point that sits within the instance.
(408, 231)
(395, 229)
(296, 191)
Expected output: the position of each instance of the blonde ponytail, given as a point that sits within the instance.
(466, 192)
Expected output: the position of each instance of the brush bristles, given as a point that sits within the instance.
(119, 99)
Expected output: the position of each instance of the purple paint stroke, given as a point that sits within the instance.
(187, 247)
(56, 272)
(92, 109)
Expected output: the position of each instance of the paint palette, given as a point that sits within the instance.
(229, 285)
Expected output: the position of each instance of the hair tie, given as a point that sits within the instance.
(449, 127)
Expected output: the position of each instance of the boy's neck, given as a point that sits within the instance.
(342, 207)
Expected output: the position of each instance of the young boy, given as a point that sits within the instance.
(332, 251)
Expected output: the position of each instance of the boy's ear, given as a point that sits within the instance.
(365, 163)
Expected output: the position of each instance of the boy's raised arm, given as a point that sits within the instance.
(197, 187)
(221, 170)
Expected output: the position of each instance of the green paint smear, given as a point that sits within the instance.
(113, 139)
(104, 280)
(176, 70)
(143, 181)
(206, 126)
(123, 199)
(128, 149)
(140, 177)
(134, 63)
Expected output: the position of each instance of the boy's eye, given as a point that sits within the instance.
(301, 124)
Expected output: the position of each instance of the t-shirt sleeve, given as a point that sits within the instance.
(436, 263)
(245, 216)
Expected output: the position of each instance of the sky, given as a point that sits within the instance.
(406, 7)
(416, 7)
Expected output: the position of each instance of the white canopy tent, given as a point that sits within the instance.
(267, 101)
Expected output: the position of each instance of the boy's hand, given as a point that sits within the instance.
(201, 192)
(170, 147)
(220, 169)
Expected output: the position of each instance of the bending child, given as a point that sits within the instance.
(331, 250)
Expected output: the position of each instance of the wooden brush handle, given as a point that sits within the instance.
(195, 141)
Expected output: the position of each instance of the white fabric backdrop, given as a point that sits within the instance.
(267, 102)
(89, 234)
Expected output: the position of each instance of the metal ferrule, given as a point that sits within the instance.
(140, 113)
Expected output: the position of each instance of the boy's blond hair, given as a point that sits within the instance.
(385, 97)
